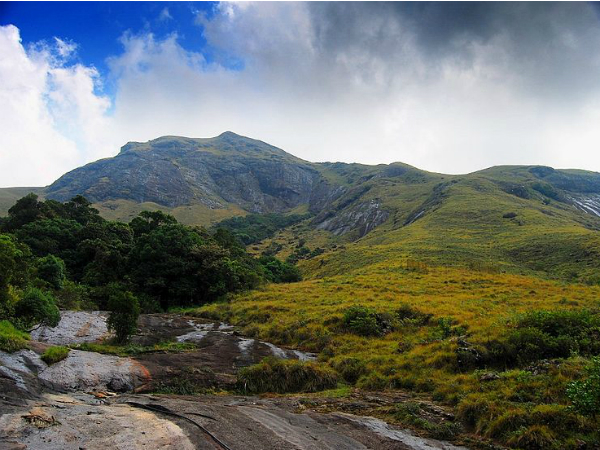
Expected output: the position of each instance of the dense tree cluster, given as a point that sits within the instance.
(64, 254)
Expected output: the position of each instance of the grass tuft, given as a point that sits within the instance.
(12, 339)
(55, 354)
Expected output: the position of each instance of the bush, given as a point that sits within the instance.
(37, 308)
(364, 321)
(281, 376)
(510, 215)
(74, 296)
(278, 271)
(547, 334)
(585, 394)
(409, 315)
(351, 369)
(11, 339)
(124, 313)
(55, 354)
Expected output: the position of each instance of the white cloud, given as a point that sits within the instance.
(165, 15)
(51, 119)
(349, 82)
(364, 92)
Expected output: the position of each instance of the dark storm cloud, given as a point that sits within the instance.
(550, 48)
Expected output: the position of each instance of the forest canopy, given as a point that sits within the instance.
(66, 255)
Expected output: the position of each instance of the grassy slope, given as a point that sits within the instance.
(467, 228)
(307, 315)
(482, 270)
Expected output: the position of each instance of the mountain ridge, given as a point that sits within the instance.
(202, 181)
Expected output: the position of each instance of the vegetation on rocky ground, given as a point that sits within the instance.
(132, 349)
(55, 354)
(500, 349)
(281, 376)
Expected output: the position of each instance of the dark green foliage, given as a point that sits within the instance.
(585, 394)
(256, 227)
(51, 269)
(278, 271)
(74, 296)
(37, 308)
(124, 312)
(24, 211)
(148, 221)
(281, 376)
(510, 215)
(56, 236)
(80, 255)
(179, 266)
(55, 354)
(364, 321)
(547, 334)
(302, 252)
(13, 272)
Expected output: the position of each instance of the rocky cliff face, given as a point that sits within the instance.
(174, 171)
(217, 173)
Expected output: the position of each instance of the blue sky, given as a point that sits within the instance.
(445, 87)
(96, 27)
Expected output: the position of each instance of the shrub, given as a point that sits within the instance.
(281, 376)
(534, 437)
(351, 369)
(409, 315)
(37, 308)
(547, 334)
(11, 339)
(509, 215)
(55, 354)
(74, 296)
(585, 394)
(364, 321)
(124, 313)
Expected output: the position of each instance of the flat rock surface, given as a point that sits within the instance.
(80, 422)
(75, 327)
(83, 371)
(250, 423)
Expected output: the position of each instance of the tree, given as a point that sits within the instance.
(147, 221)
(24, 211)
(124, 312)
(13, 272)
(51, 269)
(37, 308)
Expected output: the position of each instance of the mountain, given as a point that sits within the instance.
(531, 218)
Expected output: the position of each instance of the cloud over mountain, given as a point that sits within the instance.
(447, 87)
